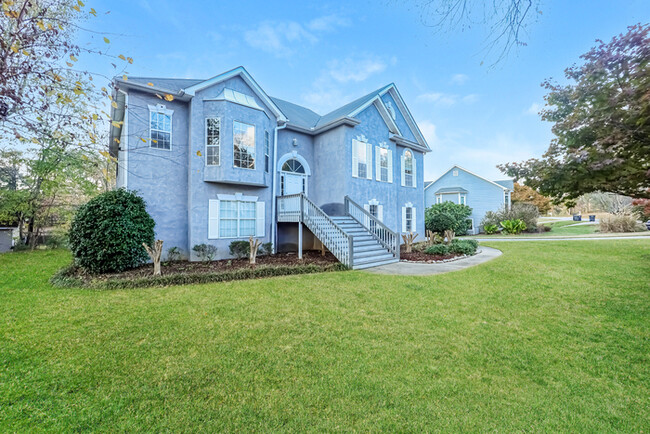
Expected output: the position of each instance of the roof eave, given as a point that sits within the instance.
(126, 84)
(408, 143)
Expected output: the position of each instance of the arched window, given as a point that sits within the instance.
(293, 166)
(408, 168)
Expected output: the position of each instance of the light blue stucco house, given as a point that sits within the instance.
(219, 160)
(459, 185)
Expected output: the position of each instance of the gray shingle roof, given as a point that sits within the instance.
(451, 190)
(297, 114)
(507, 183)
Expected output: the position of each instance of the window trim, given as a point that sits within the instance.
(254, 141)
(267, 151)
(206, 141)
(162, 109)
(238, 197)
(368, 158)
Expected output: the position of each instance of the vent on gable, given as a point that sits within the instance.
(239, 98)
(391, 109)
(455, 172)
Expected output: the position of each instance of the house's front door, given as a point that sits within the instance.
(293, 184)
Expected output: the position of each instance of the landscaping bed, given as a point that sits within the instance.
(185, 272)
(423, 252)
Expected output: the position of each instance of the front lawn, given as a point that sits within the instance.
(548, 337)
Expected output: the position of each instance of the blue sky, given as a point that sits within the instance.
(324, 54)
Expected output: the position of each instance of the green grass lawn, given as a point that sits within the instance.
(548, 337)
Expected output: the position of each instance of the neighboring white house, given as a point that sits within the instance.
(461, 186)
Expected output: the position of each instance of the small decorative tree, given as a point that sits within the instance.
(408, 241)
(254, 245)
(448, 219)
(154, 254)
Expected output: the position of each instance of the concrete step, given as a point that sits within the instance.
(374, 264)
(373, 259)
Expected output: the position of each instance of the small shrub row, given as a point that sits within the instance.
(458, 247)
(241, 249)
(67, 277)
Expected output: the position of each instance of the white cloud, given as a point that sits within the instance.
(534, 109)
(428, 129)
(459, 78)
(328, 23)
(447, 99)
(355, 69)
(282, 38)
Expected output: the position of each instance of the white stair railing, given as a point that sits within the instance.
(386, 237)
(298, 208)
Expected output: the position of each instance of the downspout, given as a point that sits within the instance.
(273, 187)
(124, 137)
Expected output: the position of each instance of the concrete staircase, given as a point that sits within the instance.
(367, 251)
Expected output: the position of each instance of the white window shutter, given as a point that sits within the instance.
(403, 219)
(380, 212)
(355, 159)
(401, 167)
(378, 164)
(260, 217)
(390, 166)
(368, 161)
(414, 224)
(415, 174)
(213, 219)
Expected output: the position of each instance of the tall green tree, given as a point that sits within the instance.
(601, 123)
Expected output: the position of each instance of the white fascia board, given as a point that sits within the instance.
(388, 119)
(401, 105)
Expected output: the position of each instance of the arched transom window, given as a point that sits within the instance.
(293, 166)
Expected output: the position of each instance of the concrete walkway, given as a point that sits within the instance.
(417, 269)
(577, 238)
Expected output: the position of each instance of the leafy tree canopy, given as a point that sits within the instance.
(525, 194)
(601, 123)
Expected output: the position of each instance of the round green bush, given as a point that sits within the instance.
(107, 233)
(448, 216)
(437, 250)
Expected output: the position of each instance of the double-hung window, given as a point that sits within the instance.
(408, 168)
(408, 218)
(462, 199)
(235, 216)
(383, 164)
(212, 141)
(243, 145)
(267, 151)
(160, 127)
(506, 199)
(361, 159)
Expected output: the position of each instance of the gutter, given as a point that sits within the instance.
(274, 226)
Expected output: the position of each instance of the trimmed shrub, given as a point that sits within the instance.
(513, 227)
(205, 252)
(240, 249)
(518, 211)
(620, 223)
(544, 228)
(448, 216)
(107, 233)
(490, 229)
(265, 249)
(463, 247)
(437, 250)
(173, 254)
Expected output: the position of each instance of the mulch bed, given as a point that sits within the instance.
(187, 267)
(417, 256)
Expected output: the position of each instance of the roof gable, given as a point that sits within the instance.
(241, 72)
(466, 171)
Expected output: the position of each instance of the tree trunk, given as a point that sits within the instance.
(155, 254)
(408, 241)
(255, 244)
(448, 236)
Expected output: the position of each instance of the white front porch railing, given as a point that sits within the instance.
(376, 228)
(298, 208)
